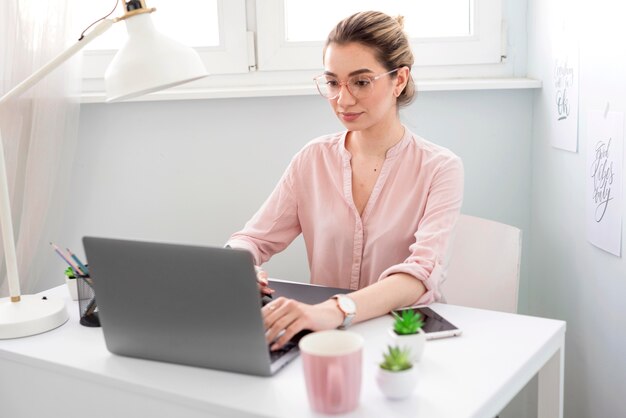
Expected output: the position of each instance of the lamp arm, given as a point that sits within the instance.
(98, 30)
(6, 224)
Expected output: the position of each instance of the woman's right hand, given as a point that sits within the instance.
(263, 283)
(283, 318)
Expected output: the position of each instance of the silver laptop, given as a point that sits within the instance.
(186, 304)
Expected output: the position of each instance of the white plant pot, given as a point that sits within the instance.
(397, 385)
(415, 342)
(72, 287)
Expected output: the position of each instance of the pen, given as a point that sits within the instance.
(73, 265)
(82, 266)
(91, 307)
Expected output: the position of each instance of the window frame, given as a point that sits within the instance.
(244, 79)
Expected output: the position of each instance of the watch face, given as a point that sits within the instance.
(347, 305)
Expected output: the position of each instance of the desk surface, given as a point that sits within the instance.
(473, 375)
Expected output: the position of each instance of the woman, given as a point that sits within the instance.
(376, 204)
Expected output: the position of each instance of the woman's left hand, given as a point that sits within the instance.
(283, 318)
(262, 281)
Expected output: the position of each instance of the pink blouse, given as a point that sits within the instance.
(405, 227)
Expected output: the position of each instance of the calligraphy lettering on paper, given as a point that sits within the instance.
(563, 80)
(602, 174)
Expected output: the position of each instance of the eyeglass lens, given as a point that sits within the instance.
(359, 86)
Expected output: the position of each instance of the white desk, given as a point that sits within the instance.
(69, 373)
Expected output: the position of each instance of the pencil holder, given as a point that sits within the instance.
(88, 309)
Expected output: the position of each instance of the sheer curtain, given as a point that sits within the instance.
(39, 128)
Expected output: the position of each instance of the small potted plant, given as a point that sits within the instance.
(397, 376)
(407, 332)
(70, 280)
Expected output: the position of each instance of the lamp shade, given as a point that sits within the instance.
(149, 61)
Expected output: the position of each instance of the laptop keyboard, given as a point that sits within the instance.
(275, 355)
(293, 343)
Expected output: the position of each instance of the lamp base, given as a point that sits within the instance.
(31, 315)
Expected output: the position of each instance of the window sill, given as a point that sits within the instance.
(209, 92)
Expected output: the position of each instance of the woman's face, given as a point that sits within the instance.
(344, 61)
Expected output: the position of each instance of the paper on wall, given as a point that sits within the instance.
(605, 151)
(562, 89)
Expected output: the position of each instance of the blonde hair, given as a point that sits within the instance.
(385, 35)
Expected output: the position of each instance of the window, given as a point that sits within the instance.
(445, 32)
(423, 19)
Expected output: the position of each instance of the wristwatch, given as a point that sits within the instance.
(348, 307)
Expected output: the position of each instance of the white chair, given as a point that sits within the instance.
(484, 265)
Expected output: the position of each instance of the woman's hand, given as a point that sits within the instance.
(261, 279)
(283, 318)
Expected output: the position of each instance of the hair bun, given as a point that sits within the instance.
(400, 20)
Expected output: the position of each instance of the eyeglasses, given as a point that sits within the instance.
(359, 86)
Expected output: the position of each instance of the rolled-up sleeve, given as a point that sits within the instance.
(434, 232)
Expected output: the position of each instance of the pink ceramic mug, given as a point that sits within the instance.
(332, 362)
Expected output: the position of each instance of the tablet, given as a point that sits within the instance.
(435, 325)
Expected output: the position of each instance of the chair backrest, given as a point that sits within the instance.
(484, 265)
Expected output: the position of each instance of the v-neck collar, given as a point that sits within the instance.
(390, 156)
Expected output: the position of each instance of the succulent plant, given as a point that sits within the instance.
(409, 322)
(396, 359)
(70, 273)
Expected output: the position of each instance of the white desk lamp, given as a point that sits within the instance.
(147, 62)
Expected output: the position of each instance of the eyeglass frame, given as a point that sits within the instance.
(345, 83)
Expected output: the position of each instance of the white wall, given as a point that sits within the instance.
(570, 278)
